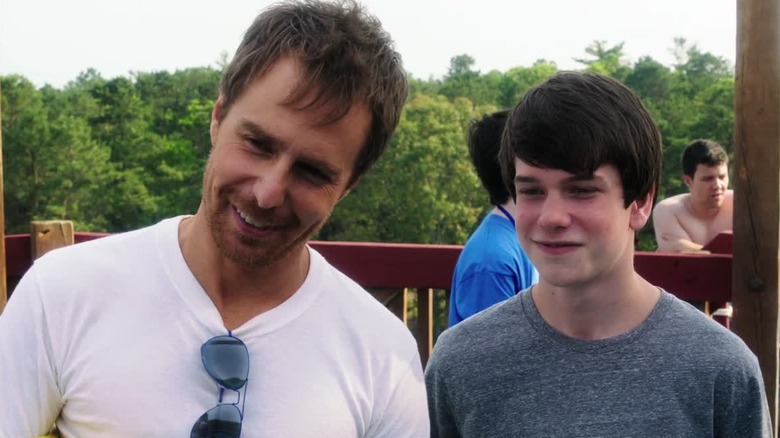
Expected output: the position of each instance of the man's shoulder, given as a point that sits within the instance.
(671, 203)
(357, 306)
(671, 212)
(112, 256)
(112, 245)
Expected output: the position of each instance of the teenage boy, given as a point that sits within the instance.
(593, 349)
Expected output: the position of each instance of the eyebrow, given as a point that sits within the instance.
(520, 179)
(256, 131)
(525, 179)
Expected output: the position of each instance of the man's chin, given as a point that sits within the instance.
(256, 259)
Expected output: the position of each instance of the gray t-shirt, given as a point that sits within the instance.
(506, 373)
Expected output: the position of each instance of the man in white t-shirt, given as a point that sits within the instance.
(226, 323)
(689, 221)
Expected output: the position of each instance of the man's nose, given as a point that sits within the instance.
(270, 187)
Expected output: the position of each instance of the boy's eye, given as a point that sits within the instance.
(583, 191)
(529, 191)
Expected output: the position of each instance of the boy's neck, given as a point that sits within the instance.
(596, 312)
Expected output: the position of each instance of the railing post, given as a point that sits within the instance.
(425, 322)
(48, 235)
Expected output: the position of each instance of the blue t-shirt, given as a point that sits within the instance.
(491, 268)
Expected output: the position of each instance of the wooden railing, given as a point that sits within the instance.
(412, 280)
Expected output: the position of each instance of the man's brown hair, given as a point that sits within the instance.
(346, 58)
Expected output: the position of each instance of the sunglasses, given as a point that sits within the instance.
(226, 359)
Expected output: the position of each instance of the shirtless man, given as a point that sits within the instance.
(687, 222)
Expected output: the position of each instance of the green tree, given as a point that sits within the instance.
(424, 189)
(76, 181)
(136, 146)
(606, 60)
(462, 80)
(25, 136)
(53, 167)
(518, 80)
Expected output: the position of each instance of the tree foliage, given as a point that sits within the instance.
(120, 153)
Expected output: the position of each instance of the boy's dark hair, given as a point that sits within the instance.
(484, 145)
(705, 152)
(577, 122)
(346, 58)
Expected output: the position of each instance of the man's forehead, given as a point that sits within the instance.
(716, 169)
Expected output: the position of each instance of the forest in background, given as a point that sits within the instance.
(121, 153)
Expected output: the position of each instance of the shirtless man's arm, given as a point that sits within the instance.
(669, 232)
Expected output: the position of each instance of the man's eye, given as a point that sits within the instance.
(259, 145)
(313, 174)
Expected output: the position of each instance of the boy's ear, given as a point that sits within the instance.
(640, 210)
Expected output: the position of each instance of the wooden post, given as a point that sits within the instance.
(757, 186)
(425, 320)
(48, 235)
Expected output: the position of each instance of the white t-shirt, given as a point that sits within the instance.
(104, 337)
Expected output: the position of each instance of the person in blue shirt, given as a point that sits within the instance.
(492, 266)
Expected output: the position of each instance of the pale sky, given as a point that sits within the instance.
(52, 41)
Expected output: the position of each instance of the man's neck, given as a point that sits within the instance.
(239, 293)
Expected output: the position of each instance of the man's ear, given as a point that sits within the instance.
(344, 195)
(348, 189)
(216, 114)
(688, 181)
(640, 210)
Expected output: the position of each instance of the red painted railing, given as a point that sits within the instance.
(412, 279)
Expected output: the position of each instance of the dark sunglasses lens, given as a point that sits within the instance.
(227, 361)
(221, 421)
